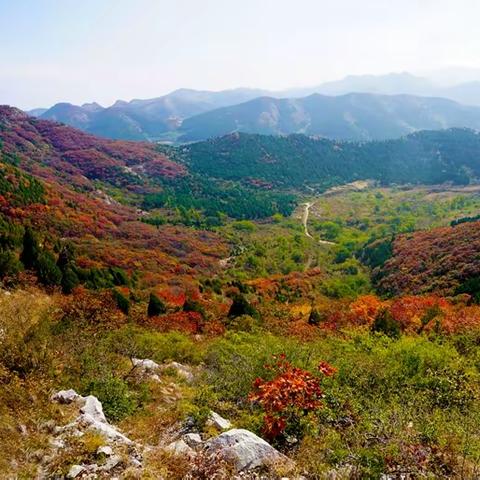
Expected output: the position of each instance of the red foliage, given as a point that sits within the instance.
(186, 322)
(290, 395)
(433, 260)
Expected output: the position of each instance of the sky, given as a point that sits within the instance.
(103, 50)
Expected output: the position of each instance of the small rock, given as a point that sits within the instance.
(104, 428)
(145, 364)
(136, 463)
(182, 370)
(112, 462)
(245, 449)
(105, 450)
(22, 429)
(57, 443)
(93, 407)
(217, 421)
(193, 440)
(180, 448)
(75, 471)
(65, 396)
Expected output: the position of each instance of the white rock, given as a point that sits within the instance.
(245, 449)
(180, 448)
(193, 440)
(145, 364)
(93, 407)
(112, 462)
(217, 421)
(109, 431)
(65, 396)
(57, 443)
(136, 463)
(75, 471)
(182, 370)
(105, 450)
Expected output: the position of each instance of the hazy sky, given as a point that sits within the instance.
(84, 50)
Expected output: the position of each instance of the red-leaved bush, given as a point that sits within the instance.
(292, 394)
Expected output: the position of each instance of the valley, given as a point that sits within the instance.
(239, 270)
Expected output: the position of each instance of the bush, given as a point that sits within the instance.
(386, 324)
(47, 271)
(9, 265)
(116, 398)
(69, 280)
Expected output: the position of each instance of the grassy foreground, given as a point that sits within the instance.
(408, 405)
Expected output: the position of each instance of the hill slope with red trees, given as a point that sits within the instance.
(47, 149)
(58, 166)
(439, 260)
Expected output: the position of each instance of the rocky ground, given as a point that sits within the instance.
(231, 453)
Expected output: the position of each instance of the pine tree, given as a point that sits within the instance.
(31, 249)
(47, 271)
(155, 306)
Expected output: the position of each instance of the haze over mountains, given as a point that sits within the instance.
(364, 107)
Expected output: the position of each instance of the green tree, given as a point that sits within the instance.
(31, 249)
(9, 265)
(155, 306)
(123, 303)
(47, 271)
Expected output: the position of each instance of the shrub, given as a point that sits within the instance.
(116, 398)
(9, 265)
(69, 280)
(386, 324)
(193, 306)
(289, 397)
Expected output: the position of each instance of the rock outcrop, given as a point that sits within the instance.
(245, 450)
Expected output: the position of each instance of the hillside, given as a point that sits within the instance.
(354, 116)
(298, 161)
(444, 260)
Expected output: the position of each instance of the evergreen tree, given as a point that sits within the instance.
(9, 265)
(155, 306)
(123, 303)
(70, 280)
(47, 271)
(241, 306)
(31, 249)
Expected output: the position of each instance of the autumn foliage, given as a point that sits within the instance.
(292, 394)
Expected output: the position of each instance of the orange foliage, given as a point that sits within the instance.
(290, 395)
(364, 309)
(187, 322)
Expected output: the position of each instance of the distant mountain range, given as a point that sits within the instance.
(144, 119)
(186, 115)
(355, 116)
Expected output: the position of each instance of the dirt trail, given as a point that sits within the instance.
(305, 218)
(305, 214)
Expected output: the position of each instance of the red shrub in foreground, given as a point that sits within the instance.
(292, 394)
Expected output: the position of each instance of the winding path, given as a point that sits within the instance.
(306, 212)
